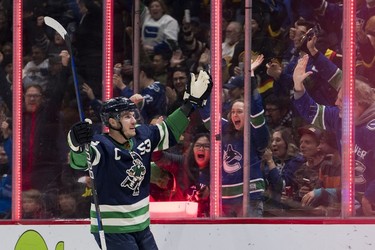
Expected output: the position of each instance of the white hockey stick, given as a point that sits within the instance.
(49, 21)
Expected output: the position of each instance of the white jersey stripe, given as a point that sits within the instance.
(123, 208)
(164, 136)
(122, 221)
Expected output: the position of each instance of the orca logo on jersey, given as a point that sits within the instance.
(359, 171)
(151, 32)
(231, 159)
(371, 125)
(136, 174)
(144, 147)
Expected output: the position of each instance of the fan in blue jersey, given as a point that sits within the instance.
(121, 163)
(232, 173)
(329, 118)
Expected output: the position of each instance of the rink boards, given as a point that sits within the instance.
(199, 236)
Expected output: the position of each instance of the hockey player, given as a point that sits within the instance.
(121, 164)
(329, 118)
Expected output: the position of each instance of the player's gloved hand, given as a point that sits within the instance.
(80, 134)
(198, 90)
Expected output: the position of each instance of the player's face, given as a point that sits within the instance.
(128, 121)
(202, 152)
(237, 115)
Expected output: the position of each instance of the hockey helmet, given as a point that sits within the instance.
(112, 108)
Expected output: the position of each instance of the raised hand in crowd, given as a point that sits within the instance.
(205, 58)
(88, 90)
(300, 74)
(118, 81)
(311, 45)
(40, 21)
(171, 95)
(136, 98)
(65, 57)
(127, 69)
(177, 58)
(256, 63)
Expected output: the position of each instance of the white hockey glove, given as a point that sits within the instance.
(80, 134)
(198, 90)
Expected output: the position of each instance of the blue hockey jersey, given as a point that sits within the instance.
(122, 175)
(233, 153)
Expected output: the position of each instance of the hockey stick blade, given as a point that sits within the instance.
(52, 23)
(56, 26)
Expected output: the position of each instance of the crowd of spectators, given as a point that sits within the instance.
(295, 160)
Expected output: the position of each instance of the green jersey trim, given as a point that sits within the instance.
(178, 123)
(236, 190)
(78, 160)
(122, 218)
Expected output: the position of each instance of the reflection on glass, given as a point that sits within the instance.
(182, 176)
(299, 172)
(49, 188)
(308, 177)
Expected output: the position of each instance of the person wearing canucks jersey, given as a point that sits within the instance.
(233, 153)
(329, 118)
(121, 164)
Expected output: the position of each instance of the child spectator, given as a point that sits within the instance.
(33, 206)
